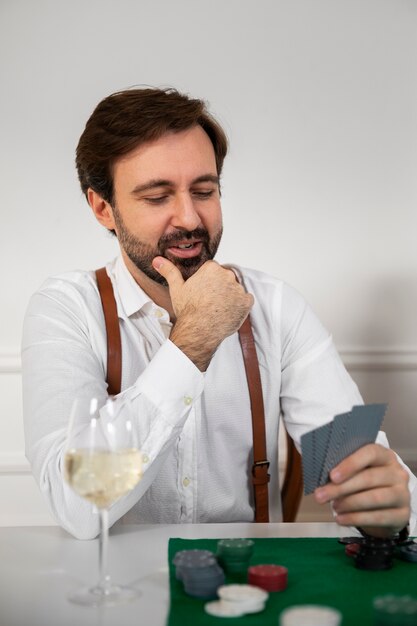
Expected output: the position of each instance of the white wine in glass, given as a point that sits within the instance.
(102, 465)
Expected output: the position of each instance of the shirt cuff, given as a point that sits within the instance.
(171, 382)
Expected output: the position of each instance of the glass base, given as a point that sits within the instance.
(101, 596)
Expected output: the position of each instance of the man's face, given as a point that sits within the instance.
(167, 202)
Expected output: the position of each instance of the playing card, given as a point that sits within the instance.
(364, 423)
(325, 447)
(337, 437)
(313, 450)
(307, 458)
(359, 429)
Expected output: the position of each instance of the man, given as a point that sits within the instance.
(149, 163)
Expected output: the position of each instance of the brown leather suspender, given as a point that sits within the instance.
(260, 476)
(114, 343)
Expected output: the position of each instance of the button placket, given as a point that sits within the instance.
(185, 467)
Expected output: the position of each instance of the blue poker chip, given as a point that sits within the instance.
(192, 555)
(187, 570)
(190, 560)
(204, 590)
(408, 552)
(204, 576)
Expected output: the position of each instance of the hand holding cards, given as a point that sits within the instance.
(325, 447)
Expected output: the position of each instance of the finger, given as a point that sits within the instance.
(231, 271)
(372, 500)
(370, 455)
(370, 478)
(169, 271)
(388, 518)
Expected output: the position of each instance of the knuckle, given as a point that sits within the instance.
(391, 455)
(403, 475)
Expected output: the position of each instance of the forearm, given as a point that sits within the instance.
(72, 512)
(195, 341)
(161, 399)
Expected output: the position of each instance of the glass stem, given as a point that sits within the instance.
(104, 582)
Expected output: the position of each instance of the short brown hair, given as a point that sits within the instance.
(127, 119)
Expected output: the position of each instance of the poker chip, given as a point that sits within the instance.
(235, 548)
(193, 560)
(190, 555)
(395, 610)
(352, 549)
(268, 577)
(408, 552)
(234, 554)
(310, 615)
(203, 583)
(347, 540)
(237, 600)
(242, 593)
(199, 572)
(375, 554)
(223, 609)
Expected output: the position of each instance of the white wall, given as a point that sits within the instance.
(319, 99)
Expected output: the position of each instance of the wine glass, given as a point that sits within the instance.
(102, 465)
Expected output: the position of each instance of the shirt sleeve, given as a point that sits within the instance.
(315, 385)
(60, 362)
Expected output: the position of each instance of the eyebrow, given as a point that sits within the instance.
(161, 182)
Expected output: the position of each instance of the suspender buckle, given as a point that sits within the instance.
(260, 477)
(260, 464)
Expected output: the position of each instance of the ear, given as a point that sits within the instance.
(101, 209)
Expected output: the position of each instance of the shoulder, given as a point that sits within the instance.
(266, 287)
(71, 297)
(76, 286)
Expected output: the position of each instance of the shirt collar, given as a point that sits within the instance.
(132, 298)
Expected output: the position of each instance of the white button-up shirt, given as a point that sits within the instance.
(194, 429)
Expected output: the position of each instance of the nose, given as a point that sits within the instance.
(185, 215)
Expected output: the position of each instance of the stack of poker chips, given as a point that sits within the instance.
(394, 610)
(268, 577)
(375, 554)
(310, 615)
(234, 554)
(237, 600)
(199, 572)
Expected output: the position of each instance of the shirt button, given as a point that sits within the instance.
(159, 313)
(187, 400)
(145, 458)
(186, 482)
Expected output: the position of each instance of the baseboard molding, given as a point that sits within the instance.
(379, 359)
(10, 361)
(14, 463)
(357, 358)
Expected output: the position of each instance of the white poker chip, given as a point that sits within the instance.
(218, 608)
(250, 606)
(310, 615)
(242, 593)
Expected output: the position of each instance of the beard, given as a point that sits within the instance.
(142, 254)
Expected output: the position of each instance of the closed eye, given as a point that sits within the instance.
(203, 195)
(156, 199)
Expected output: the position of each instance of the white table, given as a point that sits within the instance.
(39, 566)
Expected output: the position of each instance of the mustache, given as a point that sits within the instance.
(180, 235)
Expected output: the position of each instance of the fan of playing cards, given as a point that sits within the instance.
(325, 447)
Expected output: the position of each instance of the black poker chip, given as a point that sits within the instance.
(347, 540)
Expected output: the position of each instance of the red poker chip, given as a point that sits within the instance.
(352, 549)
(268, 577)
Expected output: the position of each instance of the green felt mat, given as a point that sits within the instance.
(319, 572)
